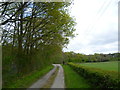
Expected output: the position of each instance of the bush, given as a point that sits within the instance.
(98, 77)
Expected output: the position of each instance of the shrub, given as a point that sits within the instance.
(97, 77)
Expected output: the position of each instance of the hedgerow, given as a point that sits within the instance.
(98, 77)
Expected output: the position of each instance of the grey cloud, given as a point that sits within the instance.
(105, 38)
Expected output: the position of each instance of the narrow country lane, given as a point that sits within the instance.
(59, 80)
(39, 84)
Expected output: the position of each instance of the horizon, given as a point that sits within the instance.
(94, 53)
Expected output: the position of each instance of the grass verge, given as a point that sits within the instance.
(73, 80)
(26, 81)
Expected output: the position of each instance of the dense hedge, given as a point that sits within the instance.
(99, 78)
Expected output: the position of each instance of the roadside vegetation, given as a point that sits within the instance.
(29, 79)
(73, 79)
(100, 78)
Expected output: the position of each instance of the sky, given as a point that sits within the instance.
(97, 27)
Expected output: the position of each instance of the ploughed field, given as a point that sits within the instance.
(109, 66)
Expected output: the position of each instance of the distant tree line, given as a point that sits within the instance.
(77, 57)
(33, 35)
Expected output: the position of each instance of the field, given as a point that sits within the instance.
(109, 66)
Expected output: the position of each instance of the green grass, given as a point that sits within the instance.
(110, 66)
(73, 80)
(28, 80)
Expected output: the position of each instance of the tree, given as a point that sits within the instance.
(35, 33)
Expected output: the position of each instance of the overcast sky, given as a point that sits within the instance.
(97, 26)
